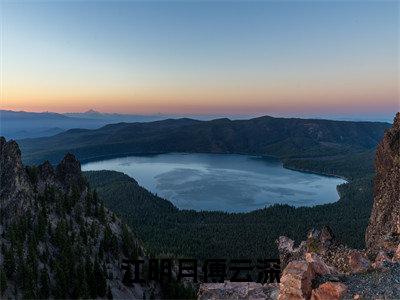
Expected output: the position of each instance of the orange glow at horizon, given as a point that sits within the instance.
(307, 97)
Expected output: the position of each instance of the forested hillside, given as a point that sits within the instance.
(57, 238)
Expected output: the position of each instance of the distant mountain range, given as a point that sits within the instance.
(281, 137)
(21, 124)
(114, 117)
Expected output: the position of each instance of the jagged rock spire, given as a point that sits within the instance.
(383, 231)
(12, 172)
(69, 173)
(10, 160)
(16, 185)
(15, 188)
(396, 122)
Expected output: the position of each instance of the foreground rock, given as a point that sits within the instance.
(296, 281)
(358, 262)
(314, 277)
(396, 256)
(287, 251)
(381, 260)
(318, 264)
(238, 290)
(329, 291)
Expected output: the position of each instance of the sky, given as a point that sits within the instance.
(201, 57)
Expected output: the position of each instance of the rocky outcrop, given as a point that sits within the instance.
(301, 279)
(68, 172)
(320, 249)
(67, 176)
(383, 230)
(20, 183)
(323, 269)
(287, 251)
(46, 176)
(338, 272)
(320, 240)
(13, 178)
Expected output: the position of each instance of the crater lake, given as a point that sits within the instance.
(223, 182)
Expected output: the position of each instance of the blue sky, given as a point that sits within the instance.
(201, 57)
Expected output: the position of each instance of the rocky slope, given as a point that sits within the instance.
(383, 231)
(319, 268)
(57, 238)
(322, 268)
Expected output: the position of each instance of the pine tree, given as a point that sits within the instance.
(30, 271)
(29, 284)
(95, 198)
(90, 279)
(102, 213)
(32, 259)
(82, 287)
(44, 291)
(127, 240)
(19, 272)
(9, 262)
(3, 281)
(88, 206)
(109, 293)
(100, 277)
(42, 224)
(61, 283)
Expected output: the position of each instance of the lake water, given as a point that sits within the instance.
(232, 183)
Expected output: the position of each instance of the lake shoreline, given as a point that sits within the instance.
(235, 183)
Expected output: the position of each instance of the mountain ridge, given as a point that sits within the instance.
(281, 137)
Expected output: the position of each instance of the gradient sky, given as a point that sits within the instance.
(201, 57)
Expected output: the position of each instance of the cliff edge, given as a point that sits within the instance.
(383, 232)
